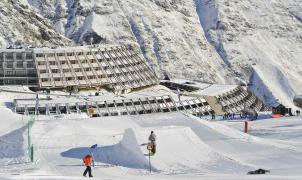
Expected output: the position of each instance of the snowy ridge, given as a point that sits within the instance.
(260, 37)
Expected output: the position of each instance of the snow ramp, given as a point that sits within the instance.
(180, 151)
(126, 153)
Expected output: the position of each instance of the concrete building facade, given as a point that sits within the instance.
(121, 68)
(17, 67)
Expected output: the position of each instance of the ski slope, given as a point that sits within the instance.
(187, 148)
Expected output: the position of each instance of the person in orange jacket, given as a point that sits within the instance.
(87, 160)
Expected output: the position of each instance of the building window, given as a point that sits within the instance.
(44, 79)
(54, 71)
(29, 64)
(41, 63)
(19, 64)
(29, 56)
(42, 71)
(9, 64)
(9, 56)
(19, 56)
(52, 63)
(77, 70)
(10, 73)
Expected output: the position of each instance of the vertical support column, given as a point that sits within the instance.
(67, 108)
(47, 109)
(58, 109)
(78, 109)
(125, 107)
(26, 110)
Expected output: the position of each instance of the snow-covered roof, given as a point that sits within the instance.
(206, 89)
(216, 89)
(73, 48)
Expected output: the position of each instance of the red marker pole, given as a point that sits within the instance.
(149, 147)
(245, 126)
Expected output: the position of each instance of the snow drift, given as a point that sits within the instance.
(12, 144)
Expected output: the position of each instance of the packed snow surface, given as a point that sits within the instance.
(187, 148)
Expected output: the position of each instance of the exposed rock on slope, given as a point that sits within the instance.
(21, 25)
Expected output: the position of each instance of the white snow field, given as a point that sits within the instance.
(187, 147)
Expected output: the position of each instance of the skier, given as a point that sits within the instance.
(88, 161)
(152, 140)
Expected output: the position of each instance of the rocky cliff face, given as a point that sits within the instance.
(220, 41)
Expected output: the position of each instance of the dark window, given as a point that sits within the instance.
(41, 63)
(19, 56)
(52, 63)
(30, 64)
(29, 56)
(9, 56)
(19, 64)
(9, 64)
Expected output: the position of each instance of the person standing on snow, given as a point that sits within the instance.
(87, 160)
(152, 140)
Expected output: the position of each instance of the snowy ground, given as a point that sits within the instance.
(188, 147)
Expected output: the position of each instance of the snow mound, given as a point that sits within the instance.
(180, 150)
(126, 153)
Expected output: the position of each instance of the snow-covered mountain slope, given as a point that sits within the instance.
(260, 40)
(168, 32)
(20, 25)
(206, 40)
